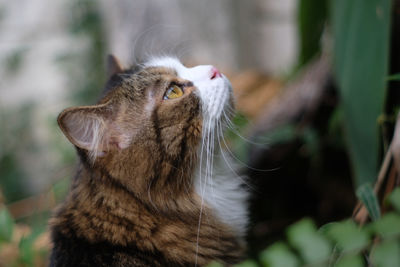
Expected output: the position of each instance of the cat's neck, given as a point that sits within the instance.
(99, 209)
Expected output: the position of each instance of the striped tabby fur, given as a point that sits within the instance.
(135, 200)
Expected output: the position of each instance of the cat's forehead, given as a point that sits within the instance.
(193, 74)
(166, 62)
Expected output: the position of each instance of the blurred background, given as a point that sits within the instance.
(316, 83)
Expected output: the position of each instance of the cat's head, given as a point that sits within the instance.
(150, 117)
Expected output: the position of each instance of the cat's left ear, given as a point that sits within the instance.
(114, 66)
(95, 128)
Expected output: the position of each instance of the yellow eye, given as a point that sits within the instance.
(173, 92)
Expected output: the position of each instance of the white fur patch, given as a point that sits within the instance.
(216, 182)
(225, 193)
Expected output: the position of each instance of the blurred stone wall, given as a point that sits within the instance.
(43, 59)
(32, 34)
(234, 34)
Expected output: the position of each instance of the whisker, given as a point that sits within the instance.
(202, 202)
(210, 163)
(234, 129)
(149, 195)
(228, 163)
(203, 184)
(244, 163)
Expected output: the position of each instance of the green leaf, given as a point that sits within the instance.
(215, 264)
(26, 251)
(386, 254)
(367, 196)
(278, 255)
(6, 225)
(247, 263)
(350, 261)
(312, 246)
(394, 77)
(388, 225)
(312, 15)
(394, 199)
(347, 235)
(361, 31)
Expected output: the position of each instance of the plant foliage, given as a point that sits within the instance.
(339, 244)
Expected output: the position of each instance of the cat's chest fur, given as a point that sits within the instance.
(225, 192)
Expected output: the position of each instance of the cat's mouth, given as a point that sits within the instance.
(216, 97)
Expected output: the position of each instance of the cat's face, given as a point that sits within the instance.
(212, 88)
(150, 122)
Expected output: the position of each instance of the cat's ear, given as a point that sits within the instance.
(114, 66)
(94, 128)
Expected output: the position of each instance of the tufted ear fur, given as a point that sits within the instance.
(94, 128)
(114, 66)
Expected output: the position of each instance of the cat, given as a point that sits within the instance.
(154, 186)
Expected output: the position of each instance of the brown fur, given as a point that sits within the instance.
(139, 192)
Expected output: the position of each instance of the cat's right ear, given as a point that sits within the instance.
(114, 66)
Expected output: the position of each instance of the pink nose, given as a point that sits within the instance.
(215, 73)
